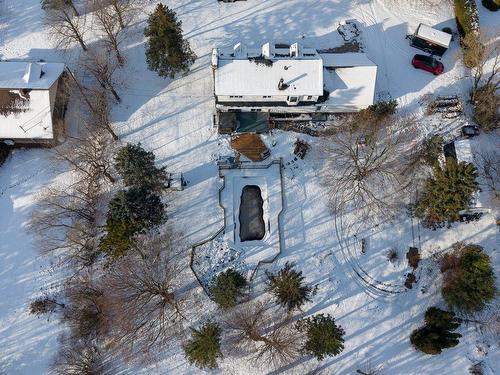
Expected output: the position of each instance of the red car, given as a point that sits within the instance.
(427, 63)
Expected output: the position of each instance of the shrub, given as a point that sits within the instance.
(437, 333)
(469, 281)
(492, 5)
(486, 103)
(447, 192)
(323, 336)
(287, 286)
(227, 288)
(431, 149)
(392, 255)
(44, 305)
(204, 347)
(137, 168)
(384, 108)
(466, 16)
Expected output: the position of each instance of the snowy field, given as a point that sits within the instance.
(173, 118)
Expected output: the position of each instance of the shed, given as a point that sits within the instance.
(430, 40)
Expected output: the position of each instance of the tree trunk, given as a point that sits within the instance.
(118, 99)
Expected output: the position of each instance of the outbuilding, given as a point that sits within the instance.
(430, 40)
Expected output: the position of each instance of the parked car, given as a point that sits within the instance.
(427, 63)
(470, 131)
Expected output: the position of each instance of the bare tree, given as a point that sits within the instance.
(51, 4)
(264, 332)
(124, 10)
(88, 311)
(81, 357)
(109, 22)
(103, 68)
(489, 169)
(366, 161)
(69, 216)
(89, 154)
(65, 28)
(146, 288)
(483, 56)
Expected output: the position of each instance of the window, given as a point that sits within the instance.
(266, 96)
(293, 99)
(309, 97)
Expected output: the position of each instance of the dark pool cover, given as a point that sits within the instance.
(252, 226)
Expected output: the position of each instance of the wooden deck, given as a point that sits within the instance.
(251, 146)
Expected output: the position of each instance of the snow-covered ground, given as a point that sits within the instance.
(173, 118)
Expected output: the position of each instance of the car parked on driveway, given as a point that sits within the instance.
(427, 63)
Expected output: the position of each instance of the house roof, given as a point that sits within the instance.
(350, 78)
(29, 75)
(345, 60)
(34, 123)
(432, 35)
(246, 77)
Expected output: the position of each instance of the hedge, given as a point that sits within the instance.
(466, 16)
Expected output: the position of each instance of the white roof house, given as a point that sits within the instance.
(28, 91)
(292, 78)
(350, 79)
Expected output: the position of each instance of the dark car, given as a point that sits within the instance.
(427, 63)
(470, 131)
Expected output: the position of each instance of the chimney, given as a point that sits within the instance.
(268, 50)
(282, 85)
(32, 73)
(295, 50)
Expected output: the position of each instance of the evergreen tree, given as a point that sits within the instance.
(323, 336)
(137, 168)
(287, 286)
(436, 334)
(130, 212)
(471, 283)
(167, 53)
(204, 347)
(446, 193)
(227, 288)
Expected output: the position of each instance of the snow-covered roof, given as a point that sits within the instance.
(29, 75)
(303, 76)
(34, 123)
(350, 78)
(463, 151)
(243, 71)
(345, 60)
(432, 35)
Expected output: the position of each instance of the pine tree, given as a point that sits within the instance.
(130, 212)
(470, 284)
(287, 286)
(323, 336)
(167, 53)
(436, 334)
(446, 193)
(137, 168)
(227, 288)
(204, 347)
